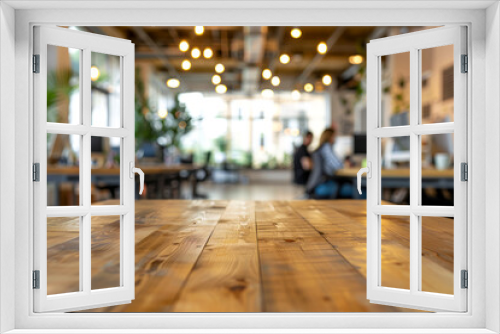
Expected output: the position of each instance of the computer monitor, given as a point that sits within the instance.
(359, 143)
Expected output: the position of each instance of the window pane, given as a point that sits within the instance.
(395, 168)
(395, 86)
(395, 251)
(63, 85)
(63, 169)
(63, 255)
(437, 84)
(105, 252)
(437, 254)
(106, 85)
(105, 172)
(437, 169)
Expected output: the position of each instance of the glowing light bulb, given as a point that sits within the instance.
(308, 87)
(186, 65)
(216, 79)
(296, 33)
(267, 93)
(163, 113)
(356, 59)
(267, 74)
(173, 83)
(221, 89)
(219, 68)
(94, 73)
(295, 94)
(183, 46)
(275, 81)
(284, 58)
(208, 53)
(322, 48)
(198, 30)
(327, 80)
(195, 53)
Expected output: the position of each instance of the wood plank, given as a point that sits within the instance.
(346, 231)
(226, 277)
(172, 239)
(301, 271)
(245, 256)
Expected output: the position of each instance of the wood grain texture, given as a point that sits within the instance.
(251, 256)
(226, 277)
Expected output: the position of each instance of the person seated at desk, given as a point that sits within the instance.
(302, 163)
(325, 163)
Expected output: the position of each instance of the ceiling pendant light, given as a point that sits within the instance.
(267, 74)
(198, 30)
(208, 53)
(221, 89)
(356, 59)
(216, 79)
(322, 48)
(219, 68)
(186, 65)
(195, 53)
(173, 83)
(94, 73)
(183, 46)
(275, 81)
(284, 58)
(296, 33)
(308, 87)
(327, 80)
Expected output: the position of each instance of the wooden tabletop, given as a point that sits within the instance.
(250, 256)
(400, 172)
(147, 169)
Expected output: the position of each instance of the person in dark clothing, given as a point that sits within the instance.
(325, 163)
(302, 160)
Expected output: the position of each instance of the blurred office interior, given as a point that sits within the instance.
(220, 112)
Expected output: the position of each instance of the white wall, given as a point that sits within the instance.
(492, 148)
(7, 54)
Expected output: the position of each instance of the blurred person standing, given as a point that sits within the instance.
(302, 163)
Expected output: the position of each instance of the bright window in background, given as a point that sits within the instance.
(251, 132)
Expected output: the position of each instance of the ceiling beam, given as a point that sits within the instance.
(157, 49)
(353, 69)
(318, 57)
(274, 57)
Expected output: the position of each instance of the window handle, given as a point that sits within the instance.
(141, 175)
(368, 171)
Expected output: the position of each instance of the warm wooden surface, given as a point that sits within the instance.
(254, 256)
(399, 172)
(147, 169)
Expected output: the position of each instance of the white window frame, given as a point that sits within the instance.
(86, 43)
(413, 44)
(484, 102)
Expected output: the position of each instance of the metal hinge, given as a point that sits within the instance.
(36, 63)
(465, 279)
(36, 172)
(36, 279)
(465, 64)
(464, 171)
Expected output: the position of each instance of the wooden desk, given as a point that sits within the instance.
(147, 169)
(397, 173)
(111, 176)
(400, 178)
(246, 256)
